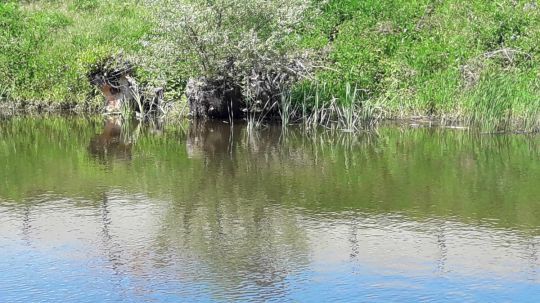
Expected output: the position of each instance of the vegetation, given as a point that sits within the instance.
(474, 61)
(47, 47)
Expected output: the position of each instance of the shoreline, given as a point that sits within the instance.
(10, 109)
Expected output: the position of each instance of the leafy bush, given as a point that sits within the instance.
(23, 37)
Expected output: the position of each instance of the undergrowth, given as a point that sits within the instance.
(474, 61)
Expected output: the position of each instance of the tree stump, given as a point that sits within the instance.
(215, 99)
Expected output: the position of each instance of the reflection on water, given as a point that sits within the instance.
(115, 141)
(220, 213)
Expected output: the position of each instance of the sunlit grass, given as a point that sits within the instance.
(474, 62)
(49, 45)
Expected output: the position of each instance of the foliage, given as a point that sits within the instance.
(47, 47)
(474, 61)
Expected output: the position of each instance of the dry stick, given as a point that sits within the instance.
(508, 53)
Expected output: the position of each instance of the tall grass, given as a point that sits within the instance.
(504, 101)
(348, 114)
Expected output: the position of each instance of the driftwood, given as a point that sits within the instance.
(246, 89)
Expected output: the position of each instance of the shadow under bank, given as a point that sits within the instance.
(177, 114)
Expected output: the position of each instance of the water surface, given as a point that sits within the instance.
(94, 211)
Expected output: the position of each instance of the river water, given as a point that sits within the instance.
(94, 211)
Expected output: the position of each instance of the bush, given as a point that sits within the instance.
(242, 41)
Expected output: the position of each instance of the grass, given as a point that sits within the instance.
(318, 107)
(47, 47)
(504, 101)
(435, 58)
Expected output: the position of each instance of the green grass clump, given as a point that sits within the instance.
(436, 58)
(504, 100)
(46, 47)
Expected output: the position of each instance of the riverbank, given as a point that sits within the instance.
(474, 63)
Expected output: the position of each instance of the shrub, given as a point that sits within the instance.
(242, 41)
